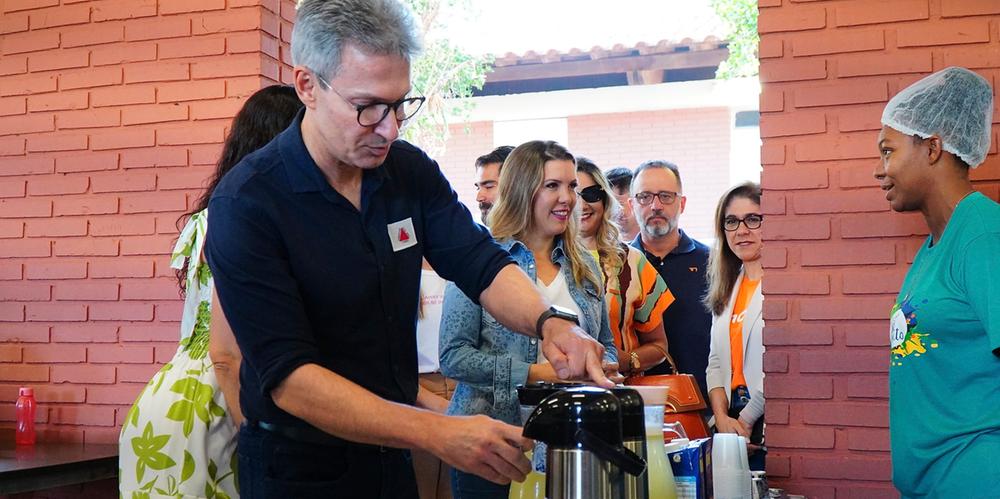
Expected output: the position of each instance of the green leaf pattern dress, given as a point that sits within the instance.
(177, 440)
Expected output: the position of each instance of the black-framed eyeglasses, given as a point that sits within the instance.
(666, 197)
(752, 221)
(370, 115)
(593, 194)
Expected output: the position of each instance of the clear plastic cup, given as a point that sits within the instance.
(730, 466)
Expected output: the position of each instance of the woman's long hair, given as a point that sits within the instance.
(264, 115)
(521, 177)
(723, 265)
(608, 246)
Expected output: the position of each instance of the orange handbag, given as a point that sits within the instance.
(685, 404)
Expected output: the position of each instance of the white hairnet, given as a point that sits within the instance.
(955, 104)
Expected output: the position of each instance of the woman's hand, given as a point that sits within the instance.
(612, 373)
(542, 372)
(726, 424)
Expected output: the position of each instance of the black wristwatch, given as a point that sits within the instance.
(557, 312)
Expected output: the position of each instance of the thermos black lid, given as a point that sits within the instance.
(559, 417)
(633, 420)
(532, 394)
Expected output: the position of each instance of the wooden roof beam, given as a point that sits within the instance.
(651, 62)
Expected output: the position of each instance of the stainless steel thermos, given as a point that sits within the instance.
(585, 453)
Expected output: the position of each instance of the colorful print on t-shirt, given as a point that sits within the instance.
(905, 336)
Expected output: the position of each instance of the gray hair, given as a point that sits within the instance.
(663, 165)
(324, 27)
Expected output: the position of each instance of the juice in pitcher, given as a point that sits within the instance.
(533, 486)
(658, 470)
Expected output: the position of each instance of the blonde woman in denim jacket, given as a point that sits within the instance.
(534, 219)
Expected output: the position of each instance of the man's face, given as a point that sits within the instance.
(657, 219)
(487, 177)
(624, 217)
(361, 79)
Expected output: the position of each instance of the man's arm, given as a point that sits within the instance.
(261, 301)
(459, 348)
(463, 252)
(477, 444)
(517, 304)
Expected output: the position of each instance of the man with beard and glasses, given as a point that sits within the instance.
(487, 178)
(658, 201)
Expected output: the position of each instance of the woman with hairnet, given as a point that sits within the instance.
(944, 333)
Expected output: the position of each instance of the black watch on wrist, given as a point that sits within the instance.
(558, 313)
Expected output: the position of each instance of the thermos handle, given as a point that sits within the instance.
(621, 457)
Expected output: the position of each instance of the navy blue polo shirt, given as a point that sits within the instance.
(687, 321)
(304, 277)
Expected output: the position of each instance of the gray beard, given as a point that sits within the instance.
(657, 230)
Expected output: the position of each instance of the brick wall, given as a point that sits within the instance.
(112, 115)
(835, 253)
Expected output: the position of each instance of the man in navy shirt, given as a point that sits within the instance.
(315, 244)
(658, 201)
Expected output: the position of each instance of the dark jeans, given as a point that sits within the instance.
(272, 466)
(757, 460)
(469, 486)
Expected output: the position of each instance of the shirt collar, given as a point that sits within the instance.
(515, 246)
(303, 173)
(684, 245)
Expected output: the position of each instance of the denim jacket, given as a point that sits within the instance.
(489, 360)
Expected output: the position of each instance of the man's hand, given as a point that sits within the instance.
(726, 424)
(484, 446)
(573, 353)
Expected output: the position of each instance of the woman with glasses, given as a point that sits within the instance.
(634, 290)
(533, 219)
(735, 374)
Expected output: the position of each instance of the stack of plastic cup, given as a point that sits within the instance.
(730, 467)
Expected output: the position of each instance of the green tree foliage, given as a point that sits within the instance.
(442, 72)
(741, 16)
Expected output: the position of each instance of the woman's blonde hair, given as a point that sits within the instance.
(521, 177)
(608, 246)
(723, 265)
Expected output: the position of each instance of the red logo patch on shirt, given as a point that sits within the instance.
(401, 234)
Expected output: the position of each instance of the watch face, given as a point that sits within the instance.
(564, 312)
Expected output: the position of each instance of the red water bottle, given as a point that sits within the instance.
(25, 412)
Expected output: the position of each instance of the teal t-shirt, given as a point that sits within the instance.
(944, 379)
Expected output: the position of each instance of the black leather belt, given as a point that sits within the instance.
(304, 434)
(312, 435)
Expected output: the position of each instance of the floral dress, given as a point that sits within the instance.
(178, 440)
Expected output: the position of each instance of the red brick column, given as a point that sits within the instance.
(112, 115)
(835, 253)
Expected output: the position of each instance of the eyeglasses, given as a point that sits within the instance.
(666, 197)
(593, 194)
(372, 114)
(752, 221)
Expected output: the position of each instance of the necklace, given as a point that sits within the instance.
(967, 194)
